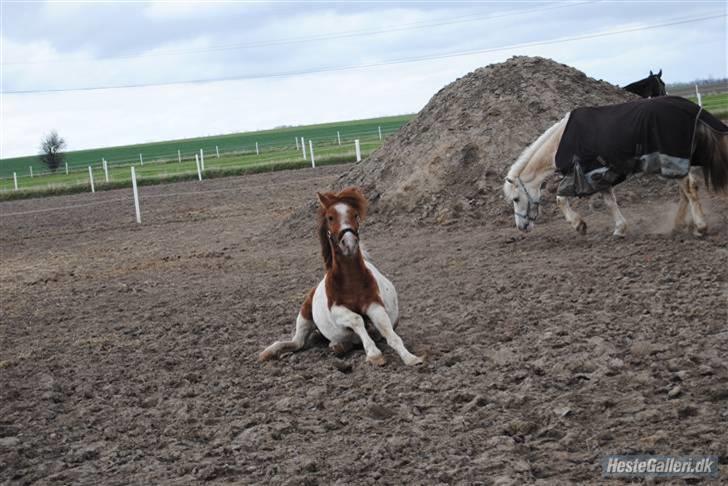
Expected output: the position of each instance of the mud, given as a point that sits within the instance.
(128, 351)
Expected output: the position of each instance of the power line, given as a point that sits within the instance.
(315, 38)
(384, 63)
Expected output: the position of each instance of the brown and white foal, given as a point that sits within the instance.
(351, 291)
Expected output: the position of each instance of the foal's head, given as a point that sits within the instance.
(339, 218)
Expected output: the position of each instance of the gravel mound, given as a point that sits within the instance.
(447, 164)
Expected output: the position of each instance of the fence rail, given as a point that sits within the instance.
(337, 144)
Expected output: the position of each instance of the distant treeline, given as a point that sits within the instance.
(719, 84)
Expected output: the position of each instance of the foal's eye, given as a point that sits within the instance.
(515, 200)
(330, 218)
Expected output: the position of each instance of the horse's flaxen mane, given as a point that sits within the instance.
(527, 154)
(351, 196)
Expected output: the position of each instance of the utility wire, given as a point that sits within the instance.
(386, 63)
(315, 38)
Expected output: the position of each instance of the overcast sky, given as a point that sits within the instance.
(67, 45)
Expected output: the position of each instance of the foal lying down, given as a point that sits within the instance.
(351, 291)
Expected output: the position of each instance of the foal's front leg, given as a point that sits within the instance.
(571, 216)
(347, 318)
(620, 224)
(380, 319)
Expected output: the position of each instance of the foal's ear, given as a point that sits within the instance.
(651, 73)
(325, 199)
(659, 75)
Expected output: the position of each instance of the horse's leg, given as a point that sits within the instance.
(344, 317)
(380, 319)
(620, 224)
(571, 216)
(304, 327)
(681, 208)
(690, 186)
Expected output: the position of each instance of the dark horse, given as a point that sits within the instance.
(649, 87)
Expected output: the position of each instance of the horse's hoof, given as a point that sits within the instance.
(581, 228)
(264, 356)
(618, 236)
(339, 349)
(377, 360)
(413, 361)
(700, 232)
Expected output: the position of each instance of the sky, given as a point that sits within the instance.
(294, 63)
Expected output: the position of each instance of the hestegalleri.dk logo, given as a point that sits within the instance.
(663, 466)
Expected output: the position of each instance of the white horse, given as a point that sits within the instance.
(526, 177)
(352, 291)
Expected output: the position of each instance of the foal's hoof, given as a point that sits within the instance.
(700, 232)
(413, 360)
(265, 356)
(581, 228)
(618, 236)
(377, 360)
(339, 349)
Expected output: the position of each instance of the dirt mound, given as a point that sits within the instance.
(448, 163)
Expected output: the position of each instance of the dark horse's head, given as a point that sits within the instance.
(649, 87)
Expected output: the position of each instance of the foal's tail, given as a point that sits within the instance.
(711, 151)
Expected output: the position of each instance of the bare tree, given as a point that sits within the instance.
(51, 147)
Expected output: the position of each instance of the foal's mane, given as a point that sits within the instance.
(352, 197)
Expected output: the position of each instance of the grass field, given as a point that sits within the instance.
(239, 143)
(172, 170)
(717, 104)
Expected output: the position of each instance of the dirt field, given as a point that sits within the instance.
(128, 352)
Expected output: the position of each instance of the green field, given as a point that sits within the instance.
(717, 104)
(280, 139)
(172, 170)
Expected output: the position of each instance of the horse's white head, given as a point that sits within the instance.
(526, 201)
(527, 174)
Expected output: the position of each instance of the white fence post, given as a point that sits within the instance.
(66, 168)
(136, 195)
(199, 172)
(697, 95)
(202, 159)
(380, 133)
(310, 146)
(31, 170)
(303, 145)
(257, 151)
(357, 147)
(106, 170)
(298, 147)
(141, 159)
(217, 151)
(91, 178)
(338, 137)
(15, 180)
(179, 156)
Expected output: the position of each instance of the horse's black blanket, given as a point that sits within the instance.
(653, 135)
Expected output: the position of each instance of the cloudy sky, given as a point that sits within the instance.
(290, 63)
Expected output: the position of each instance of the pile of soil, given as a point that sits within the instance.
(448, 163)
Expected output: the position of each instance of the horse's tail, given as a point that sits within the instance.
(711, 151)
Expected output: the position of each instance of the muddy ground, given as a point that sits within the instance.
(128, 352)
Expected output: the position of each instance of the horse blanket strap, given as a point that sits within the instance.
(654, 135)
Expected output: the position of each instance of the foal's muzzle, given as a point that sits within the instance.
(346, 242)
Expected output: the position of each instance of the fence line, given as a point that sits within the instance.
(331, 140)
(150, 196)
